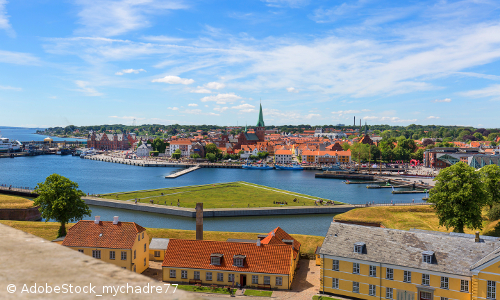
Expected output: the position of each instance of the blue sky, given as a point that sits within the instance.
(86, 62)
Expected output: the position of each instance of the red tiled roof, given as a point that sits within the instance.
(278, 237)
(195, 254)
(87, 234)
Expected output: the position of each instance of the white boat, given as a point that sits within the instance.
(9, 146)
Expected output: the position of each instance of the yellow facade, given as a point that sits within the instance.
(156, 254)
(286, 280)
(138, 264)
(411, 290)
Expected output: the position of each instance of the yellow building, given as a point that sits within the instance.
(157, 249)
(373, 263)
(124, 244)
(268, 262)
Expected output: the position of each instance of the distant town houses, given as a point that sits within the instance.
(144, 150)
(110, 141)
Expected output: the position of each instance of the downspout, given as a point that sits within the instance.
(380, 287)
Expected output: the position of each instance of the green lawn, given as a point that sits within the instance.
(258, 293)
(220, 195)
(323, 298)
(10, 202)
(204, 289)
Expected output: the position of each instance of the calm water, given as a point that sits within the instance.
(102, 177)
(28, 134)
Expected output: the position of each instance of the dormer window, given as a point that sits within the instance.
(239, 260)
(359, 247)
(427, 257)
(216, 258)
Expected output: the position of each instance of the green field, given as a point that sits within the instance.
(220, 195)
(204, 289)
(258, 293)
(11, 202)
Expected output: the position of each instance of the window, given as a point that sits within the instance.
(144, 247)
(267, 280)
(425, 279)
(157, 253)
(214, 260)
(230, 277)
(143, 235)
(358, 248)
(139, 237)
(124, 255)
(464, 286)
(444, 282)
(96, 254)
(279, 280)
(184, 274)
(491, 291)
(355, 287)
(172, 274)
(144, 261)
(373, 271)
(388, 293)
(208, 276)
(444, 298)
(427, 257)
(335, 266)
(407, 276)
(196, 275)
(80, 250)
(389, 273)
(355, 268)
(255, 279)
(220, 276)
(134, 255)
(372, 290)
(111, 254)
(238, 261)
(335, 283)
(425, 296)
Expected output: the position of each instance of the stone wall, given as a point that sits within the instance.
(19, 214)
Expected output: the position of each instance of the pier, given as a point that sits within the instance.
(182, 172)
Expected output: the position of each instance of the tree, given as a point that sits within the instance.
(177, 154)
(211, 157)
(427, 142)
(195, 155)
(478, 136)
(345, 146)
(212, 148)
(60, 199)
(458, 197)
(490, 178)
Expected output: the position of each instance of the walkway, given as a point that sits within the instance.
(304, 285)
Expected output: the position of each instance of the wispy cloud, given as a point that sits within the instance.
(200, 90)
(432, 117)
(129, 71)
(84, 88)
(442, 100)
(4, 19)
(346, 112)
(215, 85)
(292, 90)
(199, 112)
(492, 91)
(18, 58)
(3, 87)
(389, 119)
(221, 109)
(173, 108)
(221, 98)
(193, 104)
(174, 80)
(111, 18)
(286, 3)
(245, 108)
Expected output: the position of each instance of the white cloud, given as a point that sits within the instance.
(127, 118)
(193, 104)
(84, 88)
(221, 109)
(215, 85)
(201, 90)
(129, 71)
(442, 100)
(432, 117)
(199, 112)
(18, 58)
(3, 87)
(4, 19)
(389, 119)
(173, 80)
(345, 112)
(173, 108)
(110, 18)
(221, 98)
(162, 39)
(289, 3)
(490, 91)
(292, 90)
(244, 108)
(312, 116)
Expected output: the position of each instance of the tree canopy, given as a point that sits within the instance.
(60, 199)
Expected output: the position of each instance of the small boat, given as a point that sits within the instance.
(257, 167)
(289, 167)
(333, 168)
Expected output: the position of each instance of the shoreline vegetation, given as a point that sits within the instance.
(237, 194)
(15, 202)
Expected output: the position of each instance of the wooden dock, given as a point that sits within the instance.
(409, 192)
(182, 172)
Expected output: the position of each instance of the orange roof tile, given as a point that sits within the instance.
(195, 254)
(88, 234)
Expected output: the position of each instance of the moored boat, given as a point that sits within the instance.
(257, 167)
(289, 167)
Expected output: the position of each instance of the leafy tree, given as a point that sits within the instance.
(177, 154)
(60, 199)
(458, 197)
(419, 155)
(427, 142)
(195, 155)
(490, 178)
(211, 157)
(262, 154)
(212, 148)
(345, 146)
(478, 136)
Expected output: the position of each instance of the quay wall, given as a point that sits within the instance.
(21, 214)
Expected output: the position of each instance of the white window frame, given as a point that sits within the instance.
(279, 280)
(214, 260)
(491, 289)
(372, 290)
(335, 283)
(426, 293)
(373, 271)
(124, 255)
(335, 265)
(208, 276)
(96, 254)
(389, 273)
(267, 280)
(255, 279)
(445, 282)
(184, 274)
(173, 274)
(426, 279)
(358, 249)
(426, 258)
(355, 287)
(157, 253)
(407, 276)
(464, 286)
(238, 262)
(230, 277)
(355, 268)
(220, 276)
(196, 275)
(112, 255)
(389, 292)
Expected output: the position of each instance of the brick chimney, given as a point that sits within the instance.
(199, 221)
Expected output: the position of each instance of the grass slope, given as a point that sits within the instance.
(8, 201)
(221, 195)
(258, 293)
(48, 231)
(204, 289)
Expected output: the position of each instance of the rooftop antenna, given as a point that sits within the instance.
(133, 123)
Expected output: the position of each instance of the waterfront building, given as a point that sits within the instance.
(442, 157)
(183, 144)
(268, 262)
(372, 263)
(283, 156)
(326, 157)
(110, 141)
(125, 244)
(144, 150)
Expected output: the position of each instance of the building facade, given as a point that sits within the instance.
(283, 156)
(106, 141)
(184, 145)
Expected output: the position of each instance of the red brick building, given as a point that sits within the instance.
(106, 141)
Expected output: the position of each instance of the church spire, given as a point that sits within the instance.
(260, 123)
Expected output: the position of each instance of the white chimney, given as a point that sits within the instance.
(115, 220)
(97, 219)
(258, 243)
(272, 233)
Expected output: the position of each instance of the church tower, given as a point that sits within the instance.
(260, 130)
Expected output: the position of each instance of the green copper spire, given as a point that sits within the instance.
(261, 118)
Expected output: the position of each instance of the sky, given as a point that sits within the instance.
(87, 62)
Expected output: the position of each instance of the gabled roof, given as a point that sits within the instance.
(103, 235)
(158, 244)
(277, 237)
(195, 254)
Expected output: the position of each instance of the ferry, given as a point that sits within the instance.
(257, 167)
(9, 146)
(289, 167)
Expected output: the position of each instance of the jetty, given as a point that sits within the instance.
(410, 192)
(182, 172)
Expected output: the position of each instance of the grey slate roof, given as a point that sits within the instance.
(251, 137)
(159, 244)
(453, 254)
